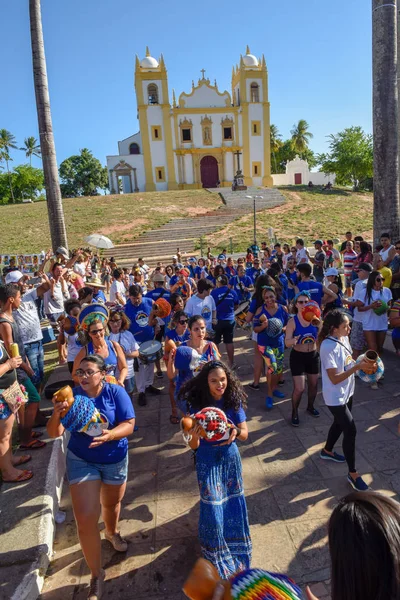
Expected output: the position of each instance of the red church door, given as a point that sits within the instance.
(297, 179)
(209, 171)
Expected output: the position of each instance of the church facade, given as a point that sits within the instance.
(200, 139)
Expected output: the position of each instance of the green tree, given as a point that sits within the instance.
(276, 143)
(82, 175)
(7, 141)
(301, 137)
(31, 148)
(350, 157)
(27, 182)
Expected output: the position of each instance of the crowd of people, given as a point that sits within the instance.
(110, 333)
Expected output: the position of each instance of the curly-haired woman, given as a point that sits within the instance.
(223, 523)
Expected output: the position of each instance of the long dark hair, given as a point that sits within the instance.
(273, 273)
(370, 284)
(364, 544)
(332, 321)
(261, 281)
(218, 270)
(196, 391)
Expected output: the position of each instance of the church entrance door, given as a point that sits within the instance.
(209, 171)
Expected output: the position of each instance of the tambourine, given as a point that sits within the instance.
(214, 422)
(81, 415)
(252, 584)
(162, 308)
(311, 313)
(376, 369)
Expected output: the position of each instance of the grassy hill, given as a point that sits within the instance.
(308, 213)
(24, 228)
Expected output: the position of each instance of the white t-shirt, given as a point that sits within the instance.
(203, 307)
(359, 294)
(128, 344)
(373, 322)
(72, 347)
(27, 318)
(301, 254)
(56, 304)
(117, 287)
(385, 253)
(334, 356)
(80, 269)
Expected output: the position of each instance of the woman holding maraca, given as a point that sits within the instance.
(97, 466)
(223, 524)
(376, 305)
(337, 370)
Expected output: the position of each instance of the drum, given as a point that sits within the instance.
(240, 315)
(150, 351)
(214, 422)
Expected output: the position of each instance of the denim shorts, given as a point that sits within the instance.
(35, 354)
(129, 385)
(79, 470)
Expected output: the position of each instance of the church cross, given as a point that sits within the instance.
(202, 71)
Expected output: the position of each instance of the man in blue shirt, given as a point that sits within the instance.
(143, 320)
(242, 284)
(255, 271)
(225, 302)
(316, 289)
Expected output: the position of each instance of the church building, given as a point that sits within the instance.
(202, 138)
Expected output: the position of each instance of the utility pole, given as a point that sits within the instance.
(385, 119)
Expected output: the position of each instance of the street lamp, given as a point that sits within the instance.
(254, 198)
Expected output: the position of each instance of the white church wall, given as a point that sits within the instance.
(136, 162)
(280, 179)
(228, 166)
(256, 141)
(248, 88)
(145, 85)
(205, 96)
(319, 178)
(123, 145)
(157, 148)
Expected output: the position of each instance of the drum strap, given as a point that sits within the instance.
(341, 343)
(222, 299)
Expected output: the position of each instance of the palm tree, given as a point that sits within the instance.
(276, 143)
(301, 136)
(7, 141)
(31, 148)
(52, 183)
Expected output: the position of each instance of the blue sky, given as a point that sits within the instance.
(318, 55)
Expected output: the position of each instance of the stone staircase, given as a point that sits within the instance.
(162, 243)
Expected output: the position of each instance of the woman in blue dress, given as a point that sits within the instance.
(271, 344)
(224, 531)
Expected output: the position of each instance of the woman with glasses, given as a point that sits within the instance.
(97, 467)
(119, 325)
(301, 337)
(93, 321)
(375, 322)
(178, 333)
(207, 351)
(224, 531)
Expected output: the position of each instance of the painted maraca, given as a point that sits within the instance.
(162, 308)
(81, 415)
(251, 584)
(214, 423)
(312, 313)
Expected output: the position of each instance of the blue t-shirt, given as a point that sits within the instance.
(173, 280)
(172, 335)
(115, 404)
(238, 283)
(230, 271)
(314, 287)
(99, 296)
(226, 308)
(254, 273)
(263, 339)
(293, 278)
(139, 317)
(211, 278)
(199, 272)
(157, 292)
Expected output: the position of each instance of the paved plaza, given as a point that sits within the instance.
(290, 492)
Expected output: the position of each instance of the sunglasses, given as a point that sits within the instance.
(113, 321)
(88, 373)
(96, 331)
(379, 279)
(302, 301)
(183, 322)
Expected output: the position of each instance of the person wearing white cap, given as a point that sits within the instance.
(335, 284)
(28, 322)
(357, 337)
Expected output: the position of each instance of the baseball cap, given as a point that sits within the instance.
(13, 277)
(175, 256)
(158, 277)
(365, 267)
(221, 256)
(320, 242)
(331, 272)
(63, 251)
(192, 259)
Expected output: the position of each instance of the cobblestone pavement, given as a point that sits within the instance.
(290, 493)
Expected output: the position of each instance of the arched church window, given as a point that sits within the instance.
(254, 92)
(134, 148)
(152, 92)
